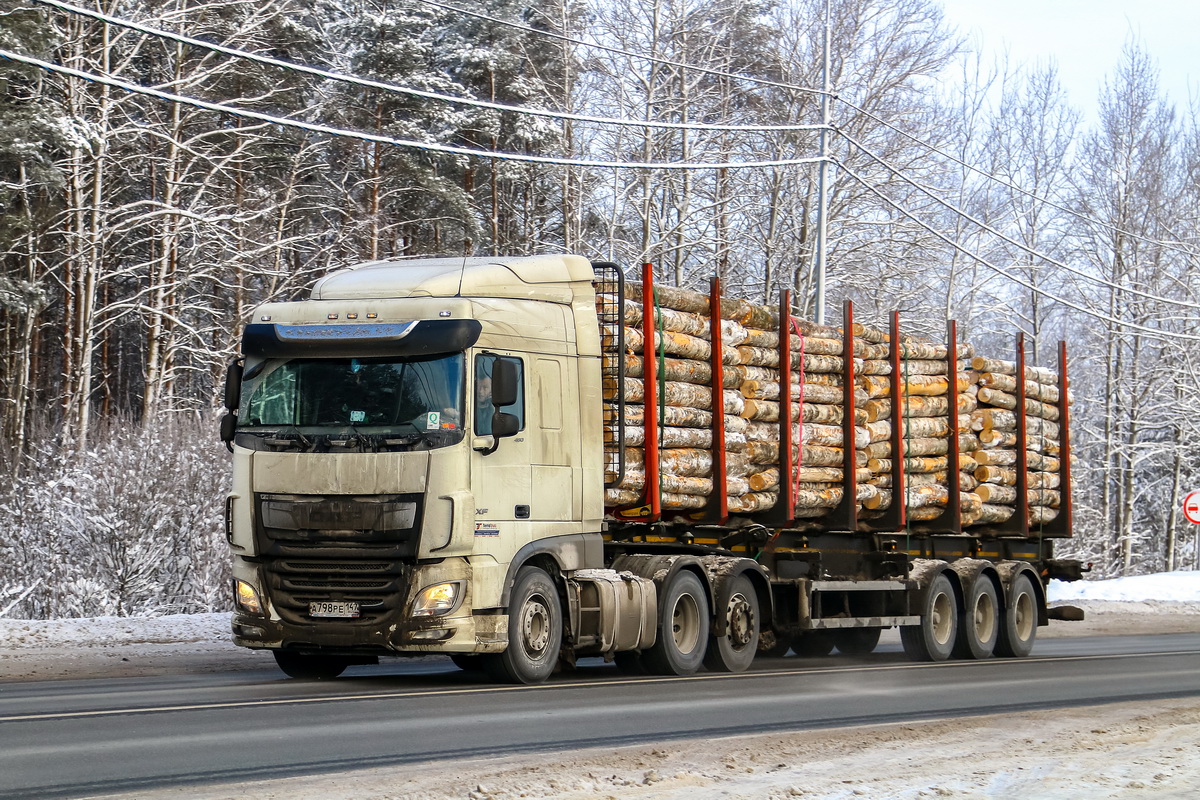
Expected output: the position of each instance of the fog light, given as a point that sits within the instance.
(247, 598)
(437, 600)
(432, 636)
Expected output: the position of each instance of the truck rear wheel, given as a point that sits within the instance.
(812, 644)
(933, 639)
(855, 641)
(1019, 621)
(309, 667)
(682, 627)
(535, 627)
(980, 626)
(735, 651)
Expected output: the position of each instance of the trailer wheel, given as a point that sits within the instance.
(535, 627)
(309, 667)
(979, 628)
(812, 644)
(855, 641)
(933, 639)
(1019, 628)
(682, 627)
(735, 651)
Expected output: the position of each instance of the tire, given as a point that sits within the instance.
(630, 662)
(933, 639)
(1018, 628)
(309, 667)
(813, 644)
(855, 641)
(468, 662)
(979, 628)
(683, 623)
(535, 629)
(735, 651)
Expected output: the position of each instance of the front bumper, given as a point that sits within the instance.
(479, 633)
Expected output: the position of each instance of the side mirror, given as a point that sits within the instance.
(228, 430)
(233, 385)
(505, 424)
(502, 425)
(504, 384)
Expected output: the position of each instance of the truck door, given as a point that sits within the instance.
(502, 478)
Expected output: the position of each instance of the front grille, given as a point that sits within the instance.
(379, 587)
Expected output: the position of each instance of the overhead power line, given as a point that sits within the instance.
(618, 51)
(1177, 246)
(1003, 237)
(368, 83)
(1158, 333)
(408, 143)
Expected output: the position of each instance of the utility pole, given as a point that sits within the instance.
(823, 180)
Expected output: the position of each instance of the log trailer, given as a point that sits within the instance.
(427, 453)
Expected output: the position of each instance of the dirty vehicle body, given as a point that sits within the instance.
(420, 467)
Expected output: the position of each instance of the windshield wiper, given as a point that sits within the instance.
(295, 437)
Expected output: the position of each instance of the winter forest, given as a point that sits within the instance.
(166, 165)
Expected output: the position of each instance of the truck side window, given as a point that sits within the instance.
(483, 393)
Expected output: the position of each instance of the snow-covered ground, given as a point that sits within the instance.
(1143, 750)
(1169, 587)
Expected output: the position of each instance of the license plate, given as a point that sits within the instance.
(335, 610)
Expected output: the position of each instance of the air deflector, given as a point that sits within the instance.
(419, 338)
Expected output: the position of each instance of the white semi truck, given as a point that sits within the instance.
(420, 466)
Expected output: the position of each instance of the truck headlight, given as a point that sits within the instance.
(246, 597)
(438, 600)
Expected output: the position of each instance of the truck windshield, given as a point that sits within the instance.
(420, 398)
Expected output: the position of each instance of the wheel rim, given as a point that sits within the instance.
(685, 624)
(1023, 616)
(985, 618)
(741, 621)
(942, 618)
(535, 626)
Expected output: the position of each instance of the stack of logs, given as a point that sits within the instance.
(995, 424)
(983, 391)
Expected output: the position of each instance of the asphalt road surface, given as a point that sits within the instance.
(78, 738)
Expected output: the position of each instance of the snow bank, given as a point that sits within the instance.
(110, 631)
(1169, 587)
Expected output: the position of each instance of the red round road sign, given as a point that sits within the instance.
(1191, 507)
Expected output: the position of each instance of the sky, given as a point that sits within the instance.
(1085, 38)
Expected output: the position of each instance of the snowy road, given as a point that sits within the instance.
(75, 738)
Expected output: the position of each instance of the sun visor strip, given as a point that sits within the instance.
(420, 338)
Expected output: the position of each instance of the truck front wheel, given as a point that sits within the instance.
(535, 628)
(309, 667)
(682, 627)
